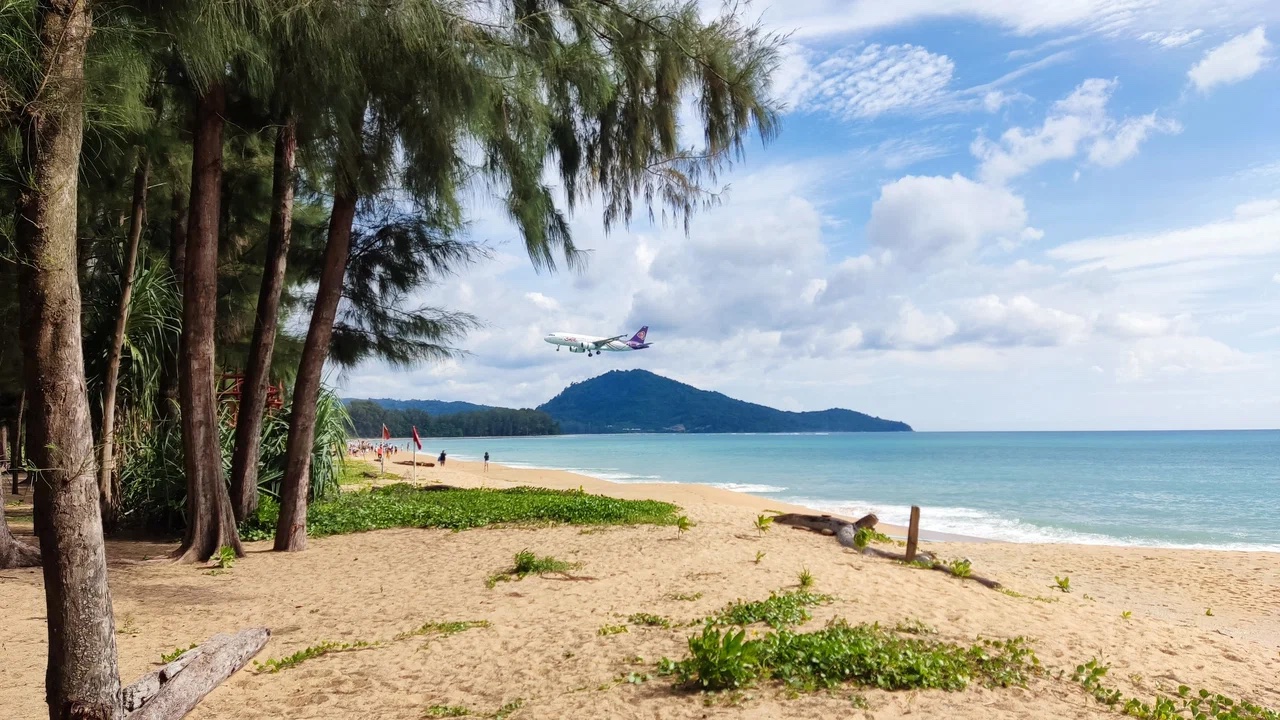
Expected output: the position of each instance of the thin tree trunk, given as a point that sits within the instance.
(15, 442)
(244, 461)
(291, 527)
(210, 524)
(82, 679)
(177, 265)
(107, 462)
(13, 552)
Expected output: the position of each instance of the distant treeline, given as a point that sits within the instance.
(368, 417)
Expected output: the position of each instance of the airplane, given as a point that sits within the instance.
(596, 345)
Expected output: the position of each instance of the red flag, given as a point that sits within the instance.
(417, 440)
(386, 434)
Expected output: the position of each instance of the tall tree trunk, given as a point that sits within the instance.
(244, 461)
(210, 524)
(291, 527)
(82, 679)
(169, 373)
(107, 462)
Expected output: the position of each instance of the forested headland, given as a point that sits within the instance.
(368, 417)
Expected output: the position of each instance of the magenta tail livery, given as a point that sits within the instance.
(595, 345)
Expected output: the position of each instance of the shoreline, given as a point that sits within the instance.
(657, 490)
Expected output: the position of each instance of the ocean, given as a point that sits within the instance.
(1217, 489)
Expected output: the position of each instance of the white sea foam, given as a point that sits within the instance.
(990, 526)
(749, 487)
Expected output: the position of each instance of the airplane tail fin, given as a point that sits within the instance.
(638, 338)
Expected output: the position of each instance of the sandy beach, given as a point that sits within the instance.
(542, 646)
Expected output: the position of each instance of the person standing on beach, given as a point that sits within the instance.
(486, 461)
(441, 458)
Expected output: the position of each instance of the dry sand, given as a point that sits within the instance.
(543, 648)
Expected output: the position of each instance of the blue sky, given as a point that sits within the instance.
(979, 215)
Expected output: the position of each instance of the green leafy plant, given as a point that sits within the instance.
(443, 629)
(865, 654)
(526, 563)
(275, 665)
(1063, 583)
(508, 709)
(224, 559)
(763, 523)
(805, 579)
(914, 627)
(866, 536)
(607, 630)
(720, 660)
(1126, 615)
(166, 658)
(759, 556)
(685, 597)
(1202, 705)
(683, 525)
(791, 608)
(649, 620)
(961, 568)
(1208, 612)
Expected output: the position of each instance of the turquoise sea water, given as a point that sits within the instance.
(1178, 489)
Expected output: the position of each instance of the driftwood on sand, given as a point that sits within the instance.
(172, 691)
(846, 534)
(421, 463)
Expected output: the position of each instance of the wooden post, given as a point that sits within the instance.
(415, 464)
(913, 533)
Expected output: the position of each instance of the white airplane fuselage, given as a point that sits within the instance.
(591, 344)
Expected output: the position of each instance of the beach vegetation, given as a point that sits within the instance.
(805, 579)
(447, 711)
(1126, 615)
(763, 523)
(166, 658)
(406, 505)
(867, 535)
(683, 525)
(1062, 583)
(649, 620)
(1181, 705)
(685, 597)
(527, 563)
(776, 611)
(607, 630)
(225, 558)
(442, 629)
(867, 655)
(275, 665)
(961, 568)
(759, 556)
(1208, 612)
(507, 709)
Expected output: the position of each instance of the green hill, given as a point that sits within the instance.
(640, 401)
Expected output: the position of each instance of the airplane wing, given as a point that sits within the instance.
(606, 341)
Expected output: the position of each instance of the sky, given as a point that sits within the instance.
(979, 215)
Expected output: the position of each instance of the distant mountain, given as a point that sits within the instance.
(640, 401)
(434, 407)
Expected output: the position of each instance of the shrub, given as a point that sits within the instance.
(791, 608)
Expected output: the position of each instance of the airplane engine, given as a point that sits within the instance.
(577, 349)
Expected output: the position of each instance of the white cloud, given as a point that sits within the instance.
(1018, 321)
(1231, 62)
(1175, 356)
(868, 81)
(542, 301)
(1173, 39)
(1213, 246)
(1276, 278)
(993, 100)
(921, 219)
(1143, 324)
(1079, 120)
(915, 329)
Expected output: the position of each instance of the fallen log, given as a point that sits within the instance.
(175, 689)
(421, 463)
(825, 524)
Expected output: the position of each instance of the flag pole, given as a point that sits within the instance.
(415, 463)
